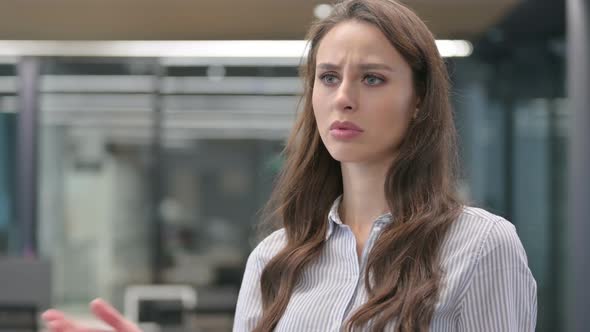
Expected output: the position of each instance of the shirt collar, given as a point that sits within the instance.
(334, 217)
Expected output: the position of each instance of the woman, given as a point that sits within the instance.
(372, 235)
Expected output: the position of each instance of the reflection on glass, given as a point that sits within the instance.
(8, 123)
(221, 144)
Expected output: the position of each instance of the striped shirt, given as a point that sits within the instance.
(487, 285)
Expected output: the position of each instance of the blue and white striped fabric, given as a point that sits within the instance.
(487, 284)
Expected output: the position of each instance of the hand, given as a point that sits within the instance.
(56, 321)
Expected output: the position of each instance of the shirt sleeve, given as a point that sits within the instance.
(502, 294)
(249, 305)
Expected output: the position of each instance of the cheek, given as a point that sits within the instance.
(314, 103)
(317, 106)
(393, 122)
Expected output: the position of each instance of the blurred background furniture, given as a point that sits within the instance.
(24, 293)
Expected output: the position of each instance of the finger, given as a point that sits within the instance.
(111, 316)
(65, 325)
(61, 325)
(52, 314)
(57, 321)
(54, 326)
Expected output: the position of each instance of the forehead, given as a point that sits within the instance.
(354, 41)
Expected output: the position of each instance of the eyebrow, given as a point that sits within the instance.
(362, 66)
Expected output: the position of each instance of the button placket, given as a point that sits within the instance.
(375, 230)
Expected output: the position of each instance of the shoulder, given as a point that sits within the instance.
(495, 276)
(492, 230)
(479, 215)
(479, 242)
(268, 247)
(478, 233)
(477, 223)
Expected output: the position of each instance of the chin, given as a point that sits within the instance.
(347, 155)
(359, 154)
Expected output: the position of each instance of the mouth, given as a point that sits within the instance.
(345, 130)
(345, 125)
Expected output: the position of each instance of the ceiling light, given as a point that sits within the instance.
(286, 49)
(322, 11)
(454, 48)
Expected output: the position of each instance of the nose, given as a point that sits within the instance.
(346, 96)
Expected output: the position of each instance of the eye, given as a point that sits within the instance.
(329, 78)
(373, 79)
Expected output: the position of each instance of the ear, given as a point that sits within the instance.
(418, 102)
(417, 109)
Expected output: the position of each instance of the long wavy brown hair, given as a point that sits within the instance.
(403, 274)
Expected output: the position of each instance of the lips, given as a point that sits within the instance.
(344, 130)
(345, 125)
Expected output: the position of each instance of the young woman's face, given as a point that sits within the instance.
(363, 96)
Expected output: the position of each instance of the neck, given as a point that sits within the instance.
(363, 198)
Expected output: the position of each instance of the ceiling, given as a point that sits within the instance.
(214, 19)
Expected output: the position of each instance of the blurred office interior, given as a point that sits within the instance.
(127, 159)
